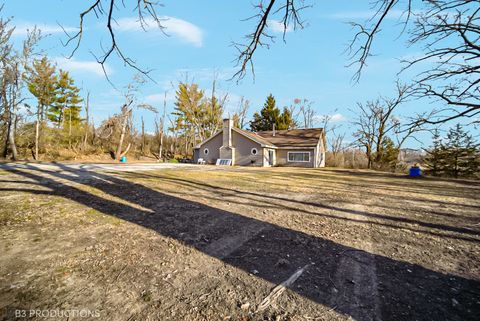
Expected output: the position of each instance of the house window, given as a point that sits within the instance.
(254, 151)
(205, 151)
(300, 157)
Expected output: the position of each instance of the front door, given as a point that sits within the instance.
(270, 157)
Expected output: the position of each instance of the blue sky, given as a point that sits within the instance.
(311, 64)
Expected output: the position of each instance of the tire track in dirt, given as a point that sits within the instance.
(228, 244)
(356, 279)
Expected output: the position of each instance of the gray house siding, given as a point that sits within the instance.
(243, 151)
(213, 146)
(282, 157)
(254, 149)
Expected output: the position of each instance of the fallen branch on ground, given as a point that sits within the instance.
(279, 289)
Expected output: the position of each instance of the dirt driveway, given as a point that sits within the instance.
(209, 243)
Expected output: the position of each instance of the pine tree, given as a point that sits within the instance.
(65, 111)
(435, 161)
(388, 154)
(269, 115)
(461, 153)
(41, 82)
(286, 120)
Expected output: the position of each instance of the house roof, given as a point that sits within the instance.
(293, 138)
(255, 137)
(209, 139)
(283, 138)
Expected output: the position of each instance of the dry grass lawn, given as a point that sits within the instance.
(209, 243)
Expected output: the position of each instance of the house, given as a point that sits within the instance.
(296, 147)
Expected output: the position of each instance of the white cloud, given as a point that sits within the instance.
(277, 26)
(337, 118)
(22, 29)
(174, 27)
(334, 118)
(87, 66)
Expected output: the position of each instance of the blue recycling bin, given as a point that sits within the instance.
(415, 172)
(123, 159)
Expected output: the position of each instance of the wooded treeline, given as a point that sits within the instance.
(44, 116)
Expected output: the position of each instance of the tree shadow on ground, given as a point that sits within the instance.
(379, 288)
(289, 203)
(386, 175)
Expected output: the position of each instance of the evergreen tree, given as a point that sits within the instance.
(65, 111)
(41, 82)
(435, 161)
(461, 157)
(286, 120)
(388, 154)
(270, 115)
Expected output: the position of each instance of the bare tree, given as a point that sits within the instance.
(125, 119)
(14, 66)
(105, 10)
(448, 30)
(288, 12)
(367, 124)
(87, 121)
(160, 128)
(307, 112)
(173, 129)
(121, 124)
(375, 121)
(326, 122)
(240, 114)
(336, 142)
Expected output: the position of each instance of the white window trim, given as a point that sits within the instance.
(206, 151)
(256, 151)
(289, 161)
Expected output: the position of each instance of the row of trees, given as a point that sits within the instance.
(456, 155)
(55, 120)
(58, 101)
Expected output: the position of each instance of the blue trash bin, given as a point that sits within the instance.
(123, 159)
(415, 171)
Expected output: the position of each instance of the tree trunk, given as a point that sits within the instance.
(13, 117)
(126, 151)
(86, 124)
(142, 149)
(369, 156)
(37, 132)
(70, 129)
(11, 134)
(160, 147)
(122, 137)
